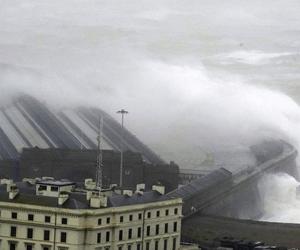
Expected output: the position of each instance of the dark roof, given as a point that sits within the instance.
(201, 185)
(77, 200)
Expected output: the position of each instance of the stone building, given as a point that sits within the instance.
(46, 214)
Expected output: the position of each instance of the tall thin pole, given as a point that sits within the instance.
(99, 155)
(122, 112)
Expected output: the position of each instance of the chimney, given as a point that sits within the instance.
(158, 188)
(89, 195)
(98, 201)
(62, 198)
(140, 187)
(13, 191)
(89, 184)
(127, 192)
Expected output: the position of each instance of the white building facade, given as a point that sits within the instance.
(131, 225)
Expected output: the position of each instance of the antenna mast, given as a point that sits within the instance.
(99, 155)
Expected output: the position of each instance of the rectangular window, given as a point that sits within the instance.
(174, 244)
(121, 219)
(138, 246)
(167, 212)
(120, 234)
(139, 233)
(107, 236)
(129, 247)
(166, 228)
(107, 220)
(46, 248)
(120, 248)
(30, 217)
(29, 247)
(165, 244)
(129, 233)
(14, 215)
(98, 237)
(29, 233)
(147, 245)
(47, 219)
(64, 221)
(176, 211)
(46, 235)
(157, 213)
(12, 246)
(13, 231)
(63, 237)
(157, 229)
(140, 216)
(148, 231)
(130, 217)
(42, 188)
(175, 226)
(54, 189)
(149, 215)
(156, 245)
(99, 221)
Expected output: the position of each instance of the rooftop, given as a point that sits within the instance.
(77, 198)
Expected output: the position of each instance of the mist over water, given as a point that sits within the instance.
(196, 76)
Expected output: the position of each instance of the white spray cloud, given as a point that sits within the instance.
(157, 59)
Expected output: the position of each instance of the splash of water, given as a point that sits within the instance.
(279, 195)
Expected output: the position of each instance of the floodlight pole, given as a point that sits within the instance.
(123, 113)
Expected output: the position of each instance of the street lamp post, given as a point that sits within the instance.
(123, 113)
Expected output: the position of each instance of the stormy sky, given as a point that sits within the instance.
(197, 75)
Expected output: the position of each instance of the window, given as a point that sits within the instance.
(14, 215)
(174, 244)
(12, 246)
(29, 247)
(149, 215)
(98, 237)
(157, 213)
(138, 246)
(140, 216)
(108, 220)
(148, 230)
(166, 228)
(121, 219)
(46, 248)
(129, 247)
(175, 226)
(107, 236)
(167, 212)
(130, 217)
(99, 221)
(64, 221)
(30, 217)
(29, 233)
(147, 245)
(157, 229)
(13, 231)
(63, 237)
(120, 247)
(46, 235)
(176, 211)
(129, 233)
(120, 234)
(42, 188)
(156, 245)
(54, 189)
(139, 233)
(47, 219)
(165, 244)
